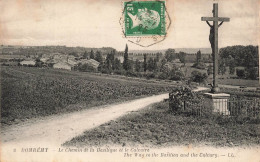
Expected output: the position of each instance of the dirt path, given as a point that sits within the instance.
(201, 89)
(55, 130)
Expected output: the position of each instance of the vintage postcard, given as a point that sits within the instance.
(129, 80)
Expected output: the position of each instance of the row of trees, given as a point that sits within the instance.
(112, 64)
(149, 64)
(151, 67)
(245, 57)
(239, 56)
(98, 56)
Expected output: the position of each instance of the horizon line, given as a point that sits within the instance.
(119, 50)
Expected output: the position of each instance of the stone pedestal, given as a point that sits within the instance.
(219, 102)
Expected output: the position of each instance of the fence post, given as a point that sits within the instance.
(201, 109)
(184, 105)
(170, 101)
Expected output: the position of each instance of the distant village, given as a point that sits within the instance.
(62, 57)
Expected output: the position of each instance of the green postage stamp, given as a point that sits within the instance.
(144, 18)
(145, 22)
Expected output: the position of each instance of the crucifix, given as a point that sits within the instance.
(213, 38)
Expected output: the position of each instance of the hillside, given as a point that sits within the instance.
(64, 49)
(177, 50)
(32, 50)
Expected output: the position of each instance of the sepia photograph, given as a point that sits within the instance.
(129, 80)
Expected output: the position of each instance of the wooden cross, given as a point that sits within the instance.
(214, 42)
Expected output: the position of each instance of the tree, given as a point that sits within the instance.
(163, 62)
(137, 65)
(231, 68)
(98, 56)
(150, 64)
(198, 57)
(199, 64)
(170, 54)
(126, 61)
(210, 70)
(112, 58)
(158, 57)
(250, 59)
(92, 54)
(117, 64)
(130, 65)
(101, 67)
(246, 56)
(85, 55)
(155, 65)
(110, 61)
(182, 57)
(145, 63)
(222, 67)
(232, 65)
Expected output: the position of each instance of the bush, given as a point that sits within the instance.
(132, 74)
(39, 64)
(240, 73)
(86, 68)
(177, 97)
(175, 75)
(120, 72)
(162, 76)
(195, 103)
(198, 77)
(200, 65)
(150, 75)
(251, 73)
(105, 71)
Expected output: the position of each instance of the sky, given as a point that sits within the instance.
(95, 23)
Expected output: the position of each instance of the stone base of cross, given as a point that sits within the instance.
(214, 42)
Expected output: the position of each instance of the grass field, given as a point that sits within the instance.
(240, 82)
(32, 92)
(157, 127)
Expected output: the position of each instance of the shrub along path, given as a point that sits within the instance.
(155, 126)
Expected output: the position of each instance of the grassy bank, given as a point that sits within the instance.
(239, 82)
(32, 92)
(157, 127)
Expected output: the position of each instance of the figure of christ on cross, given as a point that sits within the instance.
(213, 38)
